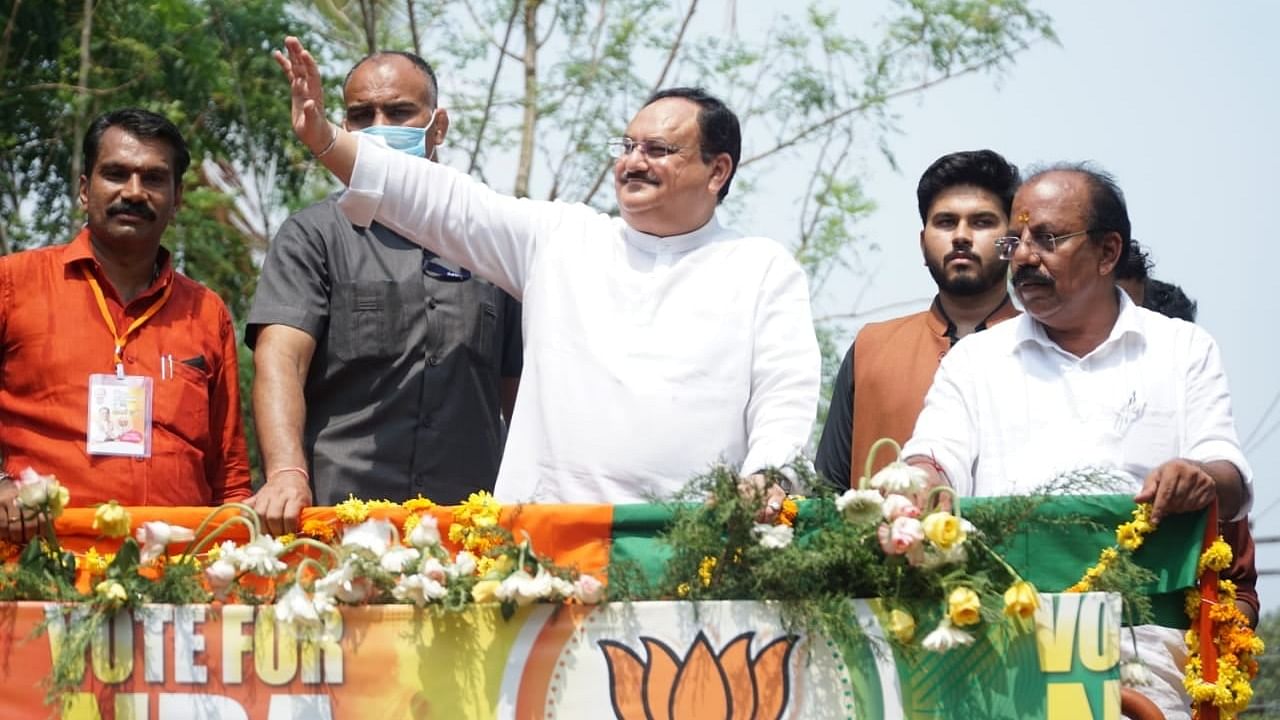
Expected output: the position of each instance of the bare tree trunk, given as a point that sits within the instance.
(369, 15)
(82, 101)
(530, 120)
(7, 41)
(413, 30)
(493, 88)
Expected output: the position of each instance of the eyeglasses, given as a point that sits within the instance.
(652, 149)
(436, 270)
(1045, 243)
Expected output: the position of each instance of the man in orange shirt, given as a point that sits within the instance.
(964, 200)
(117, 374)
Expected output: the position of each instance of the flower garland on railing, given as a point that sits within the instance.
(359, 559)
(1235, 641)
(1129, 537)
(885, 538)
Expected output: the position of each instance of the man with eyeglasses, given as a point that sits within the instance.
(657, 343)
(964, 200)
(383, 371)
(1085, 378)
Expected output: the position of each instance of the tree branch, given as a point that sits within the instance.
(485, 28)
(6, 42)
(493, 88)
(662, 77)
(879, 100)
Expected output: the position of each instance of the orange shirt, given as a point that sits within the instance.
(53, 337)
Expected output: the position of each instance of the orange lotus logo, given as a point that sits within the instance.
(703, 685)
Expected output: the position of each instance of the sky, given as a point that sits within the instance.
(1177, 100)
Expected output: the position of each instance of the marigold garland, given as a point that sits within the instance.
(352, 511)
(1235, 641)
(1129, 536)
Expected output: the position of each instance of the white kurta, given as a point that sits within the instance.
(1009, 409)
(646, 359)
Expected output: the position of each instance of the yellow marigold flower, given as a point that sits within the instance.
(1191, 604)
(500, 566)
(1108, 555)
(787, 515)
(943, 529)
(1216, 557)
(1079, 587)
(705, 569)
(1021, 600)
(457, 532)
(381, 505)
(410, 522)
(902, 626)
(351, 511)
(112, 591)
(480, 509)
(318, 529)
(111, 520)
(418, 504)
(93, 562)
(1226, 590)
(286, 538)
(682, 590)
(1128, 537)
(964, 607)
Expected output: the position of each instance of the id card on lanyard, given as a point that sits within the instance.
(119, 421)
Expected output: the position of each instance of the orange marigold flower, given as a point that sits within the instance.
(787, 515)
(318, 529)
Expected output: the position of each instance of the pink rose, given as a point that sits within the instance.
(901, 536)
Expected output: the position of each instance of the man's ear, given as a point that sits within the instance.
(441, 127)
(177, 200)
(721, 169)
(84, 193)
(1111, 245)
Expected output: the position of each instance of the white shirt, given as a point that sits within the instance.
(646, 359)
(1009, 410)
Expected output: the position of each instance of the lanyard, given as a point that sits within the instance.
(121, 339)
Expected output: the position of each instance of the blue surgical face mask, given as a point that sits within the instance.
(411, 140)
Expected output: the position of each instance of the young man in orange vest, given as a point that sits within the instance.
(964, 201)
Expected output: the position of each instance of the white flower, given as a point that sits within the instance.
(1134, 673)
(155, 536)
(395, 559)
(35, 491)
(588, 590)
(774, 537)
(343, 584)
(522, 588)
(860, 507)
(426, 533)
(418, 589)
(220, 574)
(945, 636)
(561, 589)
(262, 556)
(464, 565)
(297, 608)
(376, 536)
(432, 568)
(896, 506)
(934, 557)
(899, 477)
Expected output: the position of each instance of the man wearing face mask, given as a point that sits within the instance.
(382, 371)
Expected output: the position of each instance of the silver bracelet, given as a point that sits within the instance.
(333, 142)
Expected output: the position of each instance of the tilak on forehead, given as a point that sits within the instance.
(1023, 217)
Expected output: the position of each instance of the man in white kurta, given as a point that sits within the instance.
(656, 344)
(1086, 378)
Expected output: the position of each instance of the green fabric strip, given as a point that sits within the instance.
(1052, 550)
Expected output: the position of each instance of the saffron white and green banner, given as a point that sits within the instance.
(640, 661)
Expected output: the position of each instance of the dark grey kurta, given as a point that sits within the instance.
(403, 391)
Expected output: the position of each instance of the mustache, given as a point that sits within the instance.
(1028, 274)
(961, 253)
(131, 208)
(638, 176)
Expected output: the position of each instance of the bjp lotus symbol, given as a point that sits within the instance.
(703, 685)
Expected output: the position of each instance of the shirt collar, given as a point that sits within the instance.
(943, 326)
(1129, 321)
(80, 251)
(672, 244)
